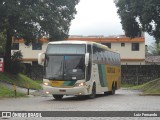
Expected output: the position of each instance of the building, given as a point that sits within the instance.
(152, 60)
(132, 51)
(30, 52)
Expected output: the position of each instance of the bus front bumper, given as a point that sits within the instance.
(83, 90)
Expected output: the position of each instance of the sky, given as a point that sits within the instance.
(98, 17)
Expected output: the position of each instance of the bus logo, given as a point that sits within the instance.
(6, 114)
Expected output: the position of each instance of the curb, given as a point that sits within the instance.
(149, 94)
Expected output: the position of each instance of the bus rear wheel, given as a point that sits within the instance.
(113, 89)
(93, 94)
(112, 92)
(58, 97)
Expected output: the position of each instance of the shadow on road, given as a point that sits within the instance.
(83, 98)
(119, 93)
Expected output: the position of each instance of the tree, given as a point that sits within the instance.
(154, 49)
(2, 43)
(16, 62)
(33, 19)
(140, 15)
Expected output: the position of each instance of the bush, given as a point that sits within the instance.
(16, 66)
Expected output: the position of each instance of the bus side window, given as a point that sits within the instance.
(88, 71)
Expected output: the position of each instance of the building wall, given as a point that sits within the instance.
(128, 56)
(30, 55)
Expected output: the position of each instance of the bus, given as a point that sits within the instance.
(80, 68)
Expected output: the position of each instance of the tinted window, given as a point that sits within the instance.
(89, 67)
(122, 44)
(36, 46)
(89, 48)
(15, 46)
(135, 46)
(64, 67)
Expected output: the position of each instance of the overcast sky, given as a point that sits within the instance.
(98, 17)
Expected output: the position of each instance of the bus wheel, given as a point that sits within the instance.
(116, 86)
(93, 94)
(58, 97)
(113, 89)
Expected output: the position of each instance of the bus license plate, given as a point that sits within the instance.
(62, 90)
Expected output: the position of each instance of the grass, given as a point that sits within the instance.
(39, 81)
(152, 87)
(6, 92)
(20, 80)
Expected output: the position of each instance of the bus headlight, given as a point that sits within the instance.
(46, 83)
(80, 84)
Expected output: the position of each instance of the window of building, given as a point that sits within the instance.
(34, 62)
(122, 44)
(15, 46)
(107, 44)
(36, 46)
(135, 46)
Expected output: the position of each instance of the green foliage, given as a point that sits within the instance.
(137, 15)
(6, 92)
(17, 56)
(33, 19)
(152, 87)
(16, 62)
(20, 80)
(2, 43)
(127, 85)
(154, 49)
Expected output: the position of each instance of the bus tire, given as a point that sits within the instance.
(113, 89)
(116, 86)
(93, 94)
(58, 97)
(106, 93)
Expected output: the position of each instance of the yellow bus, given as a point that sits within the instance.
(80, 68)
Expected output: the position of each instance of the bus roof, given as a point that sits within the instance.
(69, 42)
(82, 42)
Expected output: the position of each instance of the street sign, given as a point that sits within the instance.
(1, 65)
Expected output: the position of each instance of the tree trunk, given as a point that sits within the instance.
(7, 60)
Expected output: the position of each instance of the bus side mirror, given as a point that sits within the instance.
(41, 59)
(86, 59)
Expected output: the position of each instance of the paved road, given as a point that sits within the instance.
(123, 100)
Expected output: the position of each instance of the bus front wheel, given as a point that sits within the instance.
(93, 94)
(58, 97)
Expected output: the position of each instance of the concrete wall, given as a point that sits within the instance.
(30, 55)
(126, 51)
(128, 56)
(139, 74)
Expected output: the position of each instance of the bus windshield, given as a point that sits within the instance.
(65, 67)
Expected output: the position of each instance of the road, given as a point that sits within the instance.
(123, 100)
